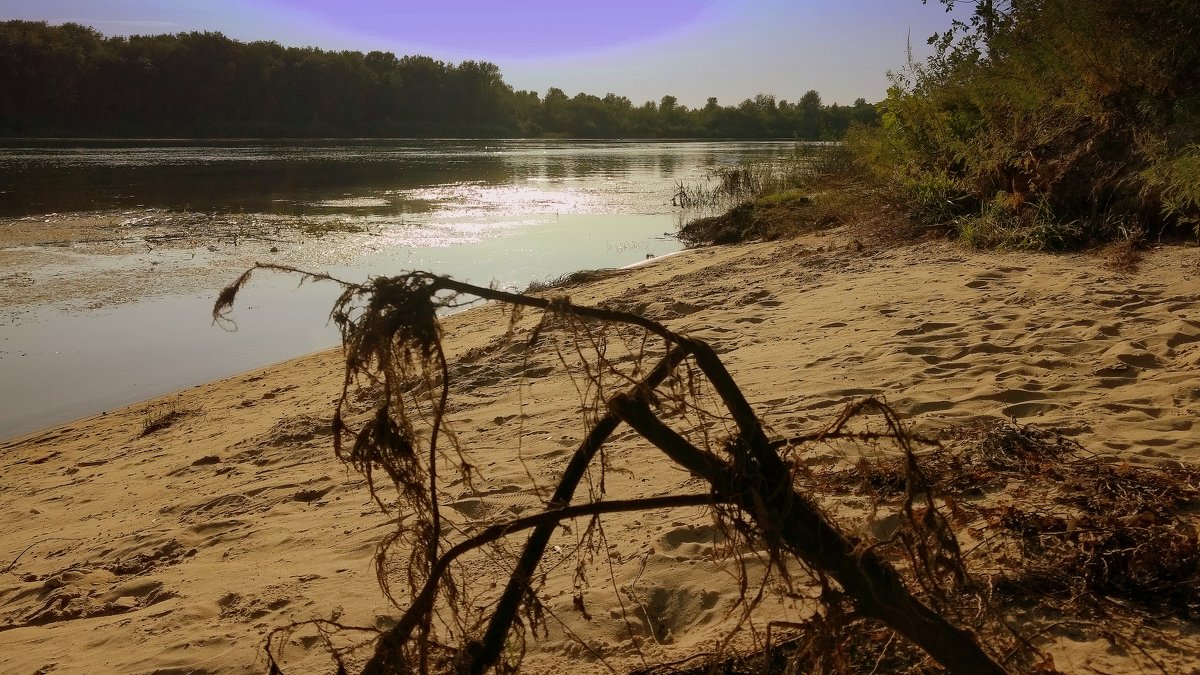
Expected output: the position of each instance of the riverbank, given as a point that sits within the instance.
(174, 534)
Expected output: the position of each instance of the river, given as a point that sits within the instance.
(111, 253)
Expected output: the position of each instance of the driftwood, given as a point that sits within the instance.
(391, 335)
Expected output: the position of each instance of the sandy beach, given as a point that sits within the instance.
(129, 549)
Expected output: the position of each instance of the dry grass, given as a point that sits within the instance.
(1064, 537)
(571, 279)
(869, 211)
(163, 417)
(817, 187)
(768, 218)
(1124, 255)
(1057, 540)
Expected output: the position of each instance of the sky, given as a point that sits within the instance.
(643, 49)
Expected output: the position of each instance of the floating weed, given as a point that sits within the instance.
(322, 228)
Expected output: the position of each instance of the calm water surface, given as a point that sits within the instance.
(504, 212)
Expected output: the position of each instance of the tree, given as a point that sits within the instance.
(70, 80)
(811, 124)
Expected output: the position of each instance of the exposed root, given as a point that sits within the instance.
(919, 595)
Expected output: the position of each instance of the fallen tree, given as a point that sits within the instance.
(392, 341)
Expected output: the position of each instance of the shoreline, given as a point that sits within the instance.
(149, 401)
(147, 279)
(626, 278)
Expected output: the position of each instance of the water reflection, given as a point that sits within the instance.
(296, 178)
(502, 212)
(52, 375)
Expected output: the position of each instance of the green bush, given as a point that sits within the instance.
(1176, 179)
(936, 197)
(1041, 123)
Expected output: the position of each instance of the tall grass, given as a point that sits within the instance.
(727, 186)
(800, 192)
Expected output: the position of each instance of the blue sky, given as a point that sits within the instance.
(642, 49)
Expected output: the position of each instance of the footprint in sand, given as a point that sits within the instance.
(80, 594)
(925, 328)
(986, 279)
(668, 612)
(691, 542)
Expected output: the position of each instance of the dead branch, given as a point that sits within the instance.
(387, 650)
(396, 333)
(535, 548)
(875, 586)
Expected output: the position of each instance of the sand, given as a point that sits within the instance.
(177, 551)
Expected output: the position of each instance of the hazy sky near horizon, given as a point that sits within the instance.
(643, 49)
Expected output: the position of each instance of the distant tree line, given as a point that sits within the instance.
(70, 80)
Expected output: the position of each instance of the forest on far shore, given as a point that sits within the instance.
(70, 80)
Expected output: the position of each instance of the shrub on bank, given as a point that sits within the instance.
(1049, 124)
